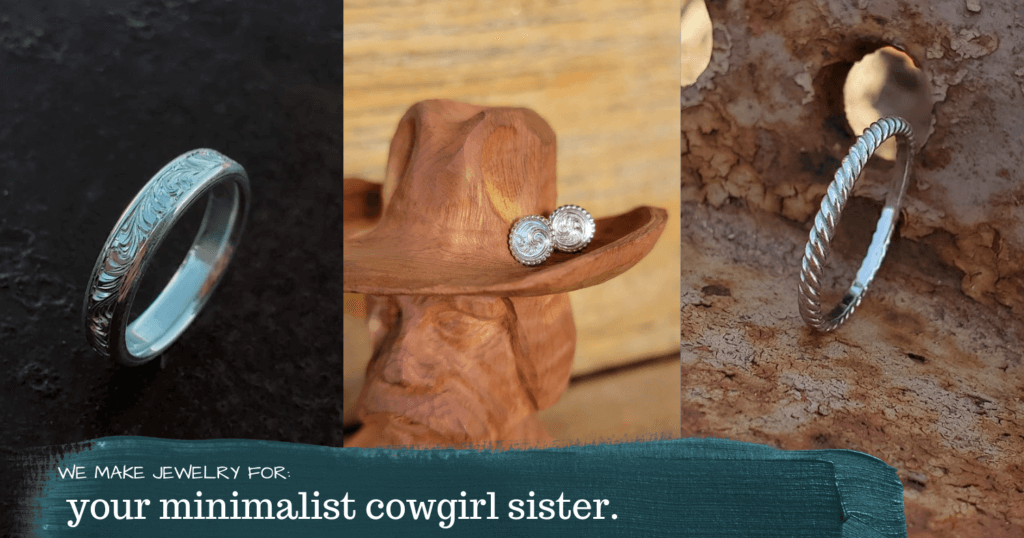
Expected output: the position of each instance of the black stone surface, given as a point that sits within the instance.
(95, 97)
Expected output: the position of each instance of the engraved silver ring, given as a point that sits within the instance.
(816, 252)
(145, 223)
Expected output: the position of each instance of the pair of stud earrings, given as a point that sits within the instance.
(532, 238)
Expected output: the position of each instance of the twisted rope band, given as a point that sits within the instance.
(827, 219)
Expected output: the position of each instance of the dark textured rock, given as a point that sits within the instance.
(94, 99)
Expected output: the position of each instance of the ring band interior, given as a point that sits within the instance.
(190, 287)
(883, 233)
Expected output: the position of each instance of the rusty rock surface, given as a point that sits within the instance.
(765, 122)
(921, 376)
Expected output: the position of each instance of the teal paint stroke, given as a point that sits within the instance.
(685, 487)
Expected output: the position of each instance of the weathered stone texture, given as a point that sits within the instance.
(928, 373)
(921, 377)
(765, 121)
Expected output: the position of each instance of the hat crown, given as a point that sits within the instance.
(467, 173)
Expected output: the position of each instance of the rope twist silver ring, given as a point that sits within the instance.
(115, 278)
(817, 249)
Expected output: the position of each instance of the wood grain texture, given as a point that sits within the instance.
(463, 370)
(603, 74)
(468, 344)
(604, 408)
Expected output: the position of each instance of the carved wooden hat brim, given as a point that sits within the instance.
(375, 268)
(458, 176)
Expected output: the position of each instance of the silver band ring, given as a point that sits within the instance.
(816, 252)
(145, 223)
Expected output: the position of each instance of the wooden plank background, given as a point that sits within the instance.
(604, 74)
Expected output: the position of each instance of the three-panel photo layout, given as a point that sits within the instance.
(796, 225)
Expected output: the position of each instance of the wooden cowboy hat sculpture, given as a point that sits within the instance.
(469, 343)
